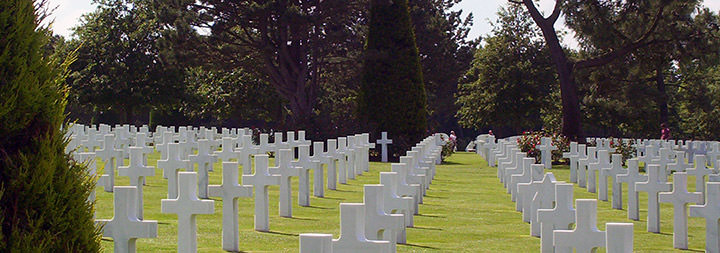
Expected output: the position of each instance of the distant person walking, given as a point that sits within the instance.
(453, 139)
(665, 132)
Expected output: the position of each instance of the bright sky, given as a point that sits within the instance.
(68, 12)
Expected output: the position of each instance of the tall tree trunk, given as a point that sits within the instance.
(662, 96)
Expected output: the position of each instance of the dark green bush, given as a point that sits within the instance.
(392, 94)
(43, 193)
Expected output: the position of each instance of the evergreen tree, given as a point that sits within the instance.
(392, 94)
(43, 194)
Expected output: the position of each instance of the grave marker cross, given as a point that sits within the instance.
(586, 235)
(680, 197)
(125, 227)
(383, 142)
(711, 212)
(260, 181)
(137, 171)
(653, 186)
(187, 206)
(230, 191)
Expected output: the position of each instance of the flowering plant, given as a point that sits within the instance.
(529, 140)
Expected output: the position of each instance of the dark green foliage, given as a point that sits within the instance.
(43, 194)
(392, 94)
(509, 85)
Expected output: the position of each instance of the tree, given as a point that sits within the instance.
(43, 193)
(287, 43)
(392, 93)
(120, 69)
(604, 20)
(509, 85)
(445, 56)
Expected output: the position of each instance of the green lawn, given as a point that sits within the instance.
(466, 210)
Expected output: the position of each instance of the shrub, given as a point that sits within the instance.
(625, 149)
(529, 140)
(43, 193)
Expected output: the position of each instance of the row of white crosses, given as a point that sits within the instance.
(379, 223)
(660, 161)
(547, 204)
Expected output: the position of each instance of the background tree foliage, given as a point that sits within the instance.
(511, 79)
(43, 193)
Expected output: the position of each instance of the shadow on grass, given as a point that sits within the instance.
(454, 163)
(318, 207)
(430, 215)
(326, 197)
(437, 197)
(342, 190)
(163, 223)
(427, 228)
(298, 218)
(420, 246)
(280, 233)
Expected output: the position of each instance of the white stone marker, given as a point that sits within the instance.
(516, 168)
(88, 159)
(586, 236)
(680, 164)
(680, 197)
(405, 187)
(542, 199)
(286, 171)
(341, 155)
(573, 155)
(260, 181)
(381, 225)
(560, 217)
(137, 171)
(615, 169)
(619, 237)
(352, 150)
(171, 166)
(526, 191)
(383, 142)
(315, 243)
(546, 149)
(590, 158)
(525, 177)
(711, 212)
(700, 171)
(230, 191)
(352, 232)
(187, 206)
(125, 227)
(633, 176)
(393, 202)
(205, 163)
(603, 162)
(227, 152)
(653, 187)
(305, 165)
(167, 138)
(112, 158)
(330, 159)
(319, 173)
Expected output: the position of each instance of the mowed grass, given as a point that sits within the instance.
(466, 210)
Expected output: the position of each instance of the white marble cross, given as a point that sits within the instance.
(112, 158)
(230, 191)
(245, 153)
(405, 186)
(315, 243)
(663, 160)
(125, 227)
(341, 155)
(205, 162)
(525, 177)
(526, 191)
(381, 225)
(711, 212)
(546, 149)
(680, 198)
(137, 171)
(187, 206)
(680, 164)
(700, 171)
(228, 151)
(619, 237)
(560, 217)
(603, 162)
(162, 147)
(573, 156)
(141, 141)
(542, 199)
(615, 169)
(393, 202)
(590, 158)
(264, 145)
(516, 168)
(260, 181)
(352, 232)
(286, 171)
(586, 236)
(653, 187)
(633, 176)
(171, 165)
(305, 165)
(383, 142)
(352, 158)
(331, 160)
(88, 159)
(319, 173)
